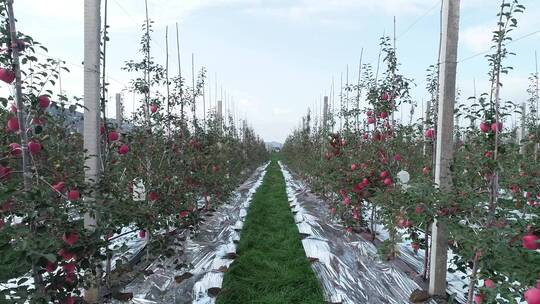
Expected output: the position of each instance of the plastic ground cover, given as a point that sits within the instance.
(195, 273)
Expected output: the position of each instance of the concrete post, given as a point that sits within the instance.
(325, 113)
(523, 130)
(92, 31)
(444, 150)
(119, 110)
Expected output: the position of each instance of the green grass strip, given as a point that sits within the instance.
(272, 266)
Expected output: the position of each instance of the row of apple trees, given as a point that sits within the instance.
(160, 169)
(376, 169)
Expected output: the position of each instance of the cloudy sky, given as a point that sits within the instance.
(276, 58)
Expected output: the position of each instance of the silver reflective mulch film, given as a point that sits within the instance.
(347, 266)
(195, 273)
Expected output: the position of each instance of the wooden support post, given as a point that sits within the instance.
(444, 151)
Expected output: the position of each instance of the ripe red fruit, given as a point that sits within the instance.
(215, 168)
(70, 300)
(484, 127)
(44, 101)
(415, 246)
(388, 181)
(384, 174)
(383, 115)
(59, 186)
(153, 108)
(371, 120)
(496, 127)
(102, 129)
(479, 298)
(354, 167)
(50, 267)
(346, 201)
(69, 267)
(397, 157)
(152, 196)
(13, 108)
(426, 170)
(365, 181)
(13, 124)
(530, 242)
(385, 96)
(7, 76)
(142, 234)
(419, 209)
(123, 149)
(430, 133)
(488, 283)
(366, 136)
(113, 136)
(66, 255)
(70, 238)
(532, 296)
(5, 172)
(34, 147)
(184, 213)
(73, 195)
(15, 149)
(369, 113)
(488, 154)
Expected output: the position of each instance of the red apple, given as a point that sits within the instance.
(113, 136)
(59, 186)
(496, 127)
(66, 255)
(152, 196)
(479, 298)
(532, 296)
(34, 147)
(5, 172)
(50, 267)
(384, 174)
(73, 195)
(142, 234)
(13, 124)
(102, 129)
(184, 213)
(153, 108)
(488, 283)
(70, 238)
(44, 101)
(123, 149)
(15, 149)
(69, 267)
(383, 115)
(354, 167)
(426, 170)
(488, 154)
(371, 120)
(388, 181)
(530, 242)
(397, 157)
(7, 76)
(430, 133)
(485, 127)
(385, 96)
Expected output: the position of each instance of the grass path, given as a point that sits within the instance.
(272, 266)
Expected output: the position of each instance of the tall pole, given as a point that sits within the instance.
(444, 151)
(92, 29)
(119, 110)
(193, 88)
(167, 80)
(523, 130)
(180, 75)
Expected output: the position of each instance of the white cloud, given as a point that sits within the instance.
(477, 38)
